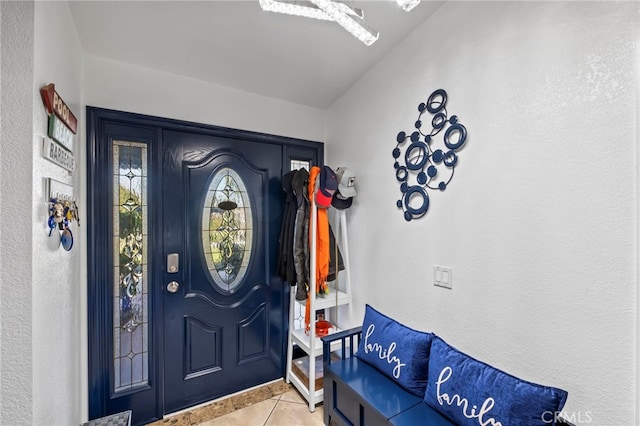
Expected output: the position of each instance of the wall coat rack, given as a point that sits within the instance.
(424, 164)
(63, 210)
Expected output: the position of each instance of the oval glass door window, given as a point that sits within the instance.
(227, 229)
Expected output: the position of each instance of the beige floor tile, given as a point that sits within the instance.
(255, 414)
(293, 396)
(294, 414)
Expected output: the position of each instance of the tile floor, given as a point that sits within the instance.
(288, 409)
(274, 404)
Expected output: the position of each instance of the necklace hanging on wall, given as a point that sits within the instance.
(61, 213)
(425, 165)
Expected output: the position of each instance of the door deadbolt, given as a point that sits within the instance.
(173, 263)
(173, 286)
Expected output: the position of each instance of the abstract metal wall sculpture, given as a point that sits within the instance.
(425, 165)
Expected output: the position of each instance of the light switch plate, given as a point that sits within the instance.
(442, 277)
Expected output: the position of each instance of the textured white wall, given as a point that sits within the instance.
(59, 332)
(125, 87)
(637, 90)
(16, 111)
(3, 211)
(539, 222)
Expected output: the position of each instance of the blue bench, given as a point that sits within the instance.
(355, 393)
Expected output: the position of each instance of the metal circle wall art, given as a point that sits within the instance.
(421, 164)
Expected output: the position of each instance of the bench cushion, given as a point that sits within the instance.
(470, 392)
(399, 352)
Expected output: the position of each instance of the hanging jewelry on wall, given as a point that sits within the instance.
(424, 164)
(63, 210)
(61, 214)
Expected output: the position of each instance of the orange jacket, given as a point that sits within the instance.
(322, 242)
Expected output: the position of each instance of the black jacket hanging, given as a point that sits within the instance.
(301, 227)
(286, 268)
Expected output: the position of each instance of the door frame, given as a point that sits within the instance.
(100, 273)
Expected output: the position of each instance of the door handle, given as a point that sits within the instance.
(173, 286)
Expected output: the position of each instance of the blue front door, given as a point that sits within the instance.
(184, 302)
(223, 328)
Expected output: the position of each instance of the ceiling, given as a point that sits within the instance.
(236, 44)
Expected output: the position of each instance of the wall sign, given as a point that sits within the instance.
(56, 189)
(425, 166)
(58, 155)
(55, 105)
(60, 133)
(61, 127)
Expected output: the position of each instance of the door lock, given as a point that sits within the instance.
(173, 263)
(173, 286)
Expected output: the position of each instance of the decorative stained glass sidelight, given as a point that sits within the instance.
(227, 229)
(300, 164)
(130, 273)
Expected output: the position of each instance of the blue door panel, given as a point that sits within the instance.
(241, 313)
(253, 336)
(103, 399)
(203, 347)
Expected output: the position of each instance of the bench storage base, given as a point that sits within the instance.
(355, 393)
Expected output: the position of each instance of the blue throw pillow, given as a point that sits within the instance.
(472, 393)
(397, 351)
